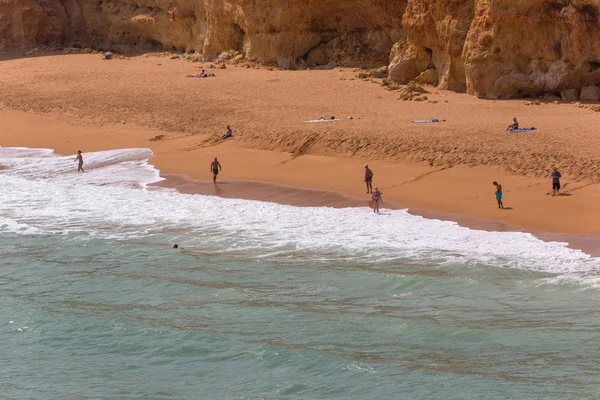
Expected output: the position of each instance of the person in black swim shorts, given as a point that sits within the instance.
(555, 182)
(215, 167)
(369, 179)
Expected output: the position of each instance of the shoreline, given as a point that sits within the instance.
(299, 197)
(317, 174)
(445, 170)
(464, 198)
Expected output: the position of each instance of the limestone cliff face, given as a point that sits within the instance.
(292, 33)
(436, 32)
(489, 48)
(29, 22)
(501, 48)
(527, 47)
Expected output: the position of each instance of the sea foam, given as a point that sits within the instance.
(43, 194)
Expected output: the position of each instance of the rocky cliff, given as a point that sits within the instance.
(501, 48)
(291, 33)
(489, 48)
(531, 47)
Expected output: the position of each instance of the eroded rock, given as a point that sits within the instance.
(428, 77)
(407, 61)
(570, 94)
(490, 49)
(412, 91)
(552, 49)
(590, 93)
(292, 34)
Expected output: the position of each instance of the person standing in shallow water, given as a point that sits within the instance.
(377, 199)
(499, 194)
(215, 167)
(369, 179)
(80, 159)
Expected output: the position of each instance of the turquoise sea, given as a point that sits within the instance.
(266, 301)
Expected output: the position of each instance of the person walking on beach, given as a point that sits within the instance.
(369, 179)
(215, 167)
(80, 159)
(555, 182)
(377, 199)
(499, 194)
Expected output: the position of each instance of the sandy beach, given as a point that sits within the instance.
(70, 102)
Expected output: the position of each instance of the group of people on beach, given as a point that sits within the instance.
(377, 199)
(376, 195)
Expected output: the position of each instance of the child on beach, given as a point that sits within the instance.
(377, 199)
(80, 159)
(499, 194)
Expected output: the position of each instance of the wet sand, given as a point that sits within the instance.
(442, 170)
(262, 191)
(288, 195)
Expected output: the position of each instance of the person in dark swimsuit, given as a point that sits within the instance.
(228, 133)
(555, 182)
(80, 159)
(514, 125)
(369, 179)
(215, 167)
(377, 199)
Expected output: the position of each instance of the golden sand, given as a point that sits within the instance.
(70, 102)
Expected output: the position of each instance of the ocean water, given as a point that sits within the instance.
(267, 301)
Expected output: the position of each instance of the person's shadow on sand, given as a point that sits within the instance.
(507, 208)
(560, 194)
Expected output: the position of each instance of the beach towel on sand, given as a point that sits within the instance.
(322, 120)
(521, 130)
(426, 121)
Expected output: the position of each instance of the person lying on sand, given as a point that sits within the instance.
(80, 159)
(376, 200)
(514, 125)
(228, 133)
(326, 118)
(201, 74)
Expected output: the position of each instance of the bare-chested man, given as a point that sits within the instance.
(215, 167)
(499, 194)
(80, 159)
(369, 179)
